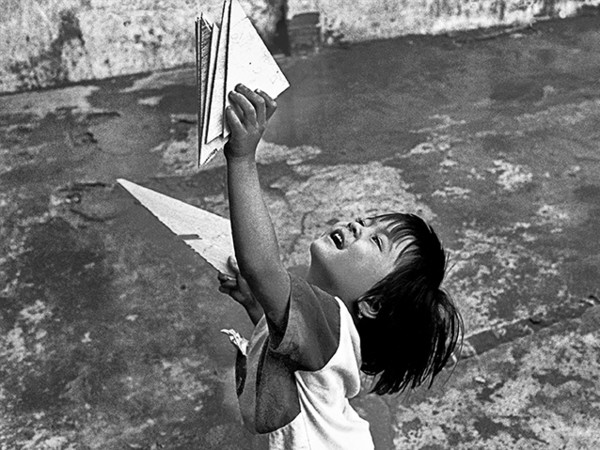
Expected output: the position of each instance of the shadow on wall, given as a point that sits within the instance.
(49, 46)
(49, 65)
(53, 43)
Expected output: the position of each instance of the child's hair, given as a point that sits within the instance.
(417, 327)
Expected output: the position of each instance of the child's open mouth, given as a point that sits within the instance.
(338, 238)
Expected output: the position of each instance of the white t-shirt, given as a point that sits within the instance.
(298, 392)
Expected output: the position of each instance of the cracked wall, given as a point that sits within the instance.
(344, 21)
(110, 325)
(49, 43)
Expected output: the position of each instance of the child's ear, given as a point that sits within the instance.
(368, 307)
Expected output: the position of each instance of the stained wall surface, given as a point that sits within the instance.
(53, 42)
(110, 325)
(367, 19)
(50, 42)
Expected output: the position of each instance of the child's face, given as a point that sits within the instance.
(351, 257)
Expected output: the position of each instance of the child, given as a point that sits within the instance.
(371, 301)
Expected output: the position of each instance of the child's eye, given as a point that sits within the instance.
(378, 242)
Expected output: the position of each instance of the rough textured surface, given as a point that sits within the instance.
(343, 21)
(49, 43)
(46, 43)
(109, 327)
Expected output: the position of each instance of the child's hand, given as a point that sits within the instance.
(236, 288)
(247, 118)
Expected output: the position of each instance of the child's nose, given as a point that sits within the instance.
(355, 228)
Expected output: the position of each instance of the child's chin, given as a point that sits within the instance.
(319, 250)
(315, 247)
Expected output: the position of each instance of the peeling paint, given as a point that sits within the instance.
(364, 20)
(565, 115)
(454, 192)
(109, 325)
(41, 104)
(512, 415)
(150, 101)
(511, 176)
(305, 207)
(180, 156)
(489, 268)
(51, 43)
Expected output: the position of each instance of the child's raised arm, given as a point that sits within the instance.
(254, 239)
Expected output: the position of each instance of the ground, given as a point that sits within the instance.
(109, 326)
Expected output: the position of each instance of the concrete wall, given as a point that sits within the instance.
(50, 42)
(358, 20)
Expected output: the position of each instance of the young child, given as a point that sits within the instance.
(371, 301)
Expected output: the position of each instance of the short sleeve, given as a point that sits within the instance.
(312, 331)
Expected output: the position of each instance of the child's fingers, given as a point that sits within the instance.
(238, 296)
(233, 265)
(244, 104)
(234, 294)
(224, 290)
(235, 125)
(242, 285)
(229, 284)
(258, 102)
(238, 111)
(224, 276)
(270, 104)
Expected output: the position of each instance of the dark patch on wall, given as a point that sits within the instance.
(497, 144)
(48, 67)
(69, 29)
(65, 269)
(487, 428)
(281, 39)
(589, 10)
(444, 8)
(517, 90)
(305, 32)
(485, 395)
(548, 8)
(498, 9)
(546, 56)
(555, 378)
(411, 425)
(590, 193)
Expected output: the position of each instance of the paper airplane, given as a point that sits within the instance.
(226, 56)
(206, 233)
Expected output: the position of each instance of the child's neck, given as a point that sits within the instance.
(315, 278)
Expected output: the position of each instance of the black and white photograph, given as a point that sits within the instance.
(300, 225)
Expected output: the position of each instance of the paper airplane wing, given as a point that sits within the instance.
(217, 98)
(238, 55)
(248, 60)
(203, 43)
(209, 148)
(207, 234)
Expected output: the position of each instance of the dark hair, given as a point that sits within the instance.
(417, 327)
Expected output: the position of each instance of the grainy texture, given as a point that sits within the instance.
(109, 326)
(360, 20)
(50, 42)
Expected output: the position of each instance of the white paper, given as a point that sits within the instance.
(217, 98)
(249, 61)
(238, 55)
(206, 233)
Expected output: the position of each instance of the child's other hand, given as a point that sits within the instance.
(247, 118)
(237, 288)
